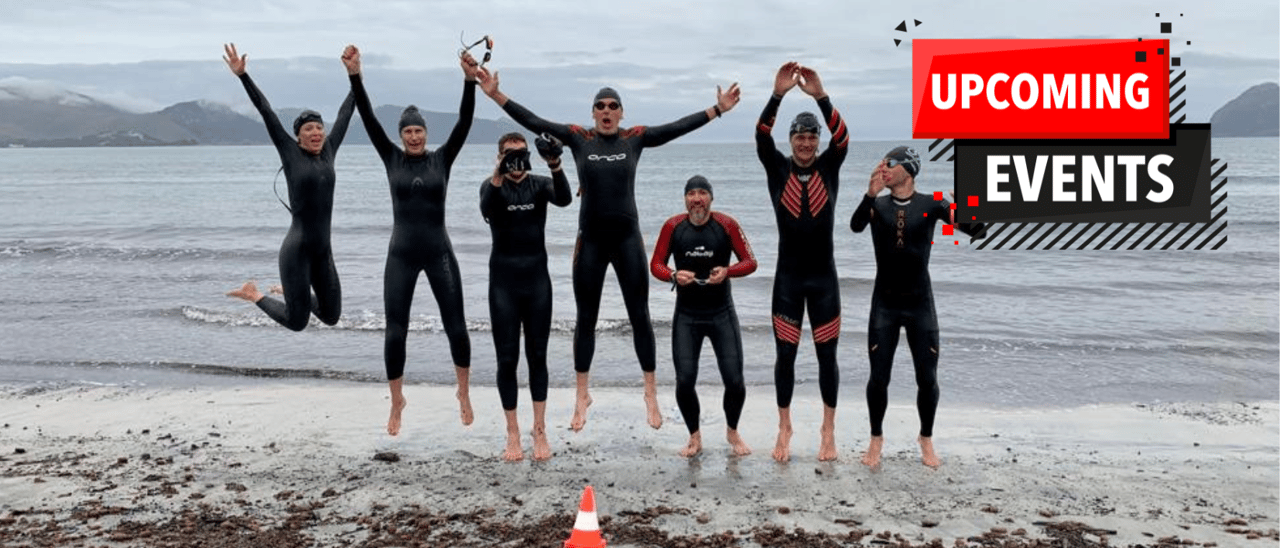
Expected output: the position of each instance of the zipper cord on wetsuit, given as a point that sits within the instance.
(274, 188)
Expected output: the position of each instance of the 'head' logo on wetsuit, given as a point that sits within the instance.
(610, 158)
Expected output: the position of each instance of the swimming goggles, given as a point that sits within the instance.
(601, 105)
(488, 47)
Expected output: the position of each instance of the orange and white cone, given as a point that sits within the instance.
(586, 530)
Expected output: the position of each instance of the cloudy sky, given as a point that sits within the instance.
(665, 57)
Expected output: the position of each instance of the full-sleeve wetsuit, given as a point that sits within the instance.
(705, 311)
(608, 223)
(419, 241)
(306, 256)
(902, 232)
(519, 285)
(804, 203)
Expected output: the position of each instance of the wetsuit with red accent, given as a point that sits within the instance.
(902, 233)
(608, 223)
(306, 255)
(804, 203)
(419, 241)
(705, 311)
(519, 285)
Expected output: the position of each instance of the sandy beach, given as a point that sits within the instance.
(293, 464)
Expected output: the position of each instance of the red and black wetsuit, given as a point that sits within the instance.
(902, 232)
(519, 285)
(306, 256)
(705, 310)
(804, 203)
(419, 241)
(608, 223)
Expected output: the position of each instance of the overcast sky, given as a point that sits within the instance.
(665, 57)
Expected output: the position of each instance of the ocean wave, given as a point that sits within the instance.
(206, 369)
(366, 320)
(67, 250)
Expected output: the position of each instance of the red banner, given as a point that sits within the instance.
(1040, 89)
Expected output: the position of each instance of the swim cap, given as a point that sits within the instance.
(608, 93)
(304, 117)
(411, 117)
(907, 157)
(806, 122)
(698, 181)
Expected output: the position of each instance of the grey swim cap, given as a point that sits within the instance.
(698, 181)
(608, 93)
(806, 122)
(907, 157)
(304, 117)
(411, 117)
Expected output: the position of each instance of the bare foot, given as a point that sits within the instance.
(248, 291)
(872, 456)
(580, 412)
(514, 452)
(651, 400)
(464, 394)
(927, 455)
(694, 446)
(782, 451)
(276, 289)
(582, 402)
(398, 403)
(827, 448)
(541, 449)
(740, 448)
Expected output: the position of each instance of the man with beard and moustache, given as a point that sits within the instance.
(701, 241)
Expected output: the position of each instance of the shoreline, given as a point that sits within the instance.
(296, 460)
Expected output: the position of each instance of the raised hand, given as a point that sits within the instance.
(488, 81)
(726, 100)
(810, 83)
(470, 67)
(351, 58)
(786, 78)
(879, 178)
(234, 61)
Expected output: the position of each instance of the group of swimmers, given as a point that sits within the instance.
(802, 187)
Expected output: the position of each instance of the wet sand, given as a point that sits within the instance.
(298, 464)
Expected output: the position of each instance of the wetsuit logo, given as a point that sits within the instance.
(610, 158)
(700, 251)
(520, 207)
(901, 225)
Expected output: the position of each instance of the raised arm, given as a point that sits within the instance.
(489, 85)
(550, 150)
(339, 130)
(665, 133)
(239, 66)
(466, 111)
(838, 148)
(377, 135)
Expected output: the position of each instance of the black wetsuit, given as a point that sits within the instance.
(902, 232)
(419, 241)
(306, 256)
(804, 203)
(705, 311)
(519, 285)
(608, 224)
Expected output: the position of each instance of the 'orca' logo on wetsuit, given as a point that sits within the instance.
(610, 158)
(519, 207)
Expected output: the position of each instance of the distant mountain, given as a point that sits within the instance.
(1255, 113)
(44, 117)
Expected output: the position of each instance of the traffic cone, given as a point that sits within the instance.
(586, 530)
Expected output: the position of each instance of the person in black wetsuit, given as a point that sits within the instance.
(803, 190)
(514, 203)
(902, 224)
(306, 256)
(419, 242)
(701, 241)
(608, 224)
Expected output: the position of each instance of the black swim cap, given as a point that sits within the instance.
(698, 181)
(608, 93)
(806, 122)
(304, 117)
(411, 117)
(907, 157)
